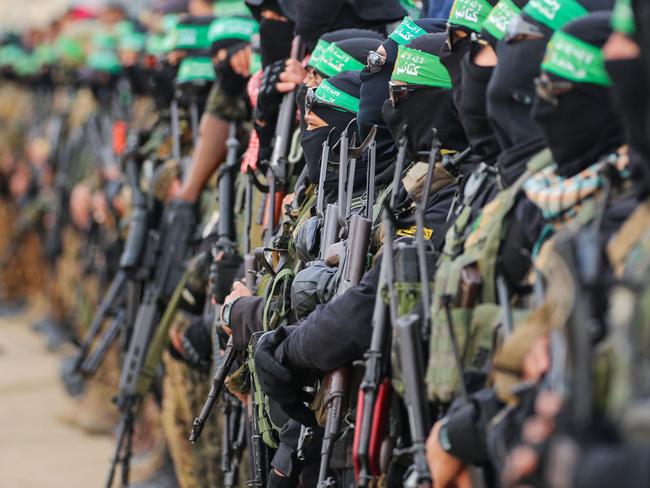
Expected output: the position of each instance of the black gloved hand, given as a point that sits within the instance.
(178, 226)
(269, 98)
(281, 384)
(223, 272)
(231, 83)
(195, 347)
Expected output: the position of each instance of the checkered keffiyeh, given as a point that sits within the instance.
(560, 198)
(250, 156)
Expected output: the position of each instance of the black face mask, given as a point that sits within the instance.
(473, 111)
(423, 110)
(631, 96)
(138, 78)
(312, 148)
(511, 92)
(301, 94)
(232, 83)
(451, 59)
(275, 40)
(599, 131)
(374, 91)
(163, 81)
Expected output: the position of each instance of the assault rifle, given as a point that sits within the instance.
(165, 286)
(114, 300)
(375, 389)
(355, 240)
(410, 337)
(218, 383)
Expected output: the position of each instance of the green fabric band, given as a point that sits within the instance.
(623, 18)
(195, 69)
(554, 13)
(470, 13)
(406, 32)
(328, 94)
(133, 41)
(497, 22)
(334, 61)
(155, 44)
(191, 36)
(232, 28)
(317, 53)
(575, 60)
(420, 68)
(105, 61)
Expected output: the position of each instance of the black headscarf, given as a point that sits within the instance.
(316, 18)
(374, 91)
(473, 110)
(424, 109)
(584, 124)
(337, 120)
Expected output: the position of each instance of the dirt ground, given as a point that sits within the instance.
(37, 449)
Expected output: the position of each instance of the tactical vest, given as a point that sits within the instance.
(467, 274)
(623, 364)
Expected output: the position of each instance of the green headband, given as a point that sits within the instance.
(133, 41)
(335, 60)
(104, 61)
(554, 14)
(232, 28)
(195, 69)
(497, 22)
(575, 60)
(623, 18)
(470, 13)
(191, 36)
(328, 94)
(416, 67)
(317, 53)
(155, 44)
(406, 32)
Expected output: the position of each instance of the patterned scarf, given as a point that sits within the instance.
(560, 198)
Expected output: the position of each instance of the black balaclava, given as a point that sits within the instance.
(374, 92)
(337, 120)
(275, 40)
(584, 124)
(473, 111)
(162, 82)
(630, 89)
(424, 109)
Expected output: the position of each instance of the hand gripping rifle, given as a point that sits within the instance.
(137, 374)
(374, 392)
(355, 240)
(277, 170)
(115, 295)
(476, 473)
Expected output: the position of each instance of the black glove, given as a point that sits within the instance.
(280, 383)
(223, 272)
(179, 224)
(231, 83)
(195, 346)
(269, 98)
